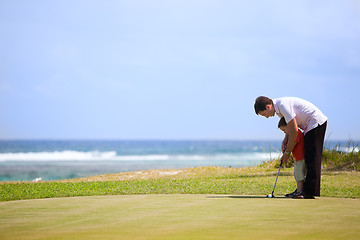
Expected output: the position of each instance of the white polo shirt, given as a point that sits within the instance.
(307, 115)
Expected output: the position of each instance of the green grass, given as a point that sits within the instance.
(195, 203)
(179, 217)
(257, 180)
(205, 180)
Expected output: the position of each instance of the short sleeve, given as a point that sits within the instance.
(287, 111)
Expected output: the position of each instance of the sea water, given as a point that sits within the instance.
(25, 160)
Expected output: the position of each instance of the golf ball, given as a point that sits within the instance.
(269, 196)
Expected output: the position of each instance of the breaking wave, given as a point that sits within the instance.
(113, 156)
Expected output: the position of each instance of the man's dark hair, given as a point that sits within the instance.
(282, 122)
(260, 104)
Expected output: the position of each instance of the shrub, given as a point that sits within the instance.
(339, 158)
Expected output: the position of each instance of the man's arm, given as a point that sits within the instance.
(284, 143)
(292, 131)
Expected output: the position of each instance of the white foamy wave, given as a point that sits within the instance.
(112, 156)
(57, 156)
(76, 156)
(348, 149)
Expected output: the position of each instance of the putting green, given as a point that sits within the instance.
(180, 217)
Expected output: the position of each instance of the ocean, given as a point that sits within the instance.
(26, 160)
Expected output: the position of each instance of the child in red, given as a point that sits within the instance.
(299, 157)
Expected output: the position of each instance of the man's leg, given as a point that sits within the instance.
(314, 142)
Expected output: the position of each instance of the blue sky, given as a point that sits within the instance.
(174, 69)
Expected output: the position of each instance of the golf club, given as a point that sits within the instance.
(272, 194)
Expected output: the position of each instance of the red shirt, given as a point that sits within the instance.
(298, 150)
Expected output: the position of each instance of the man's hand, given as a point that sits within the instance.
(284, 158)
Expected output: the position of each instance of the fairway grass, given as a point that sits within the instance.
(200, 180)
(180, 216)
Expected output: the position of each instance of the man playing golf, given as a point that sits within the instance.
(299, 113)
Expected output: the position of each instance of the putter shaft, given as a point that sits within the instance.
(276, 180)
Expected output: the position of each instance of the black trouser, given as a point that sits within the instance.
(314, 142)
